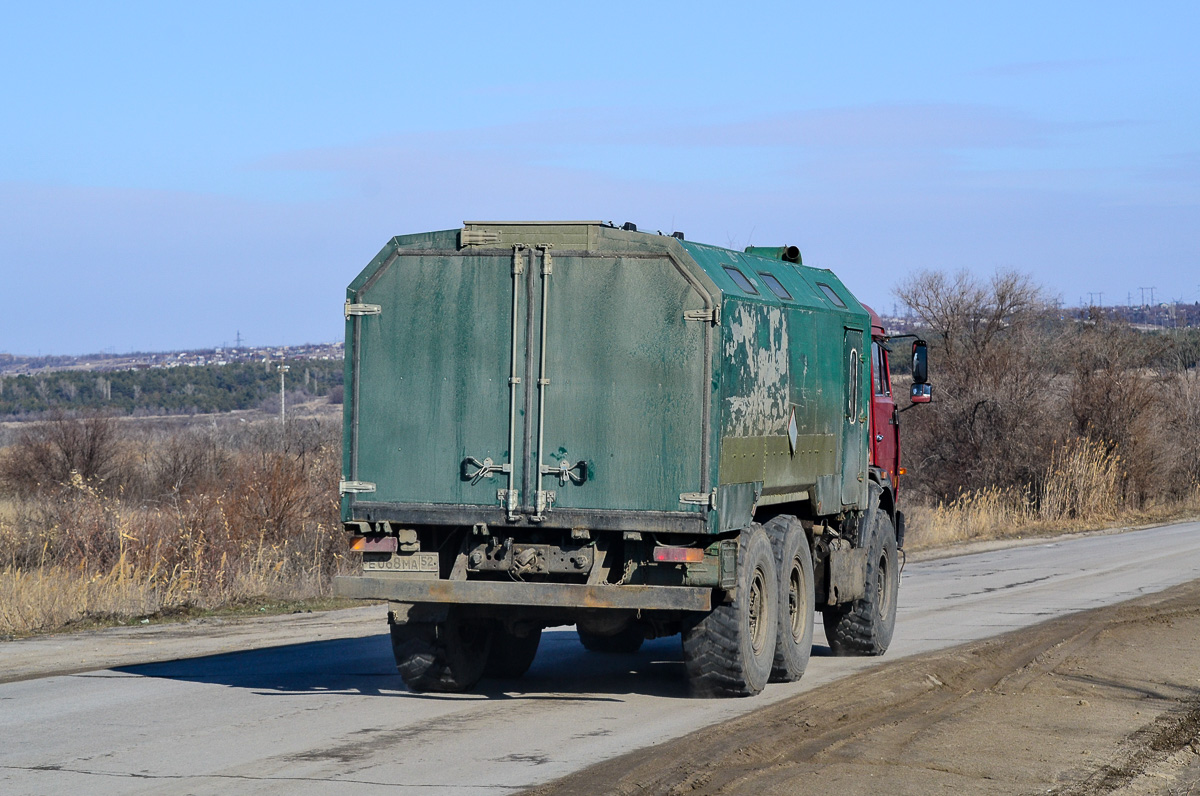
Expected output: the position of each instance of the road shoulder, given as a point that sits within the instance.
(90, 650)
(1104, 701)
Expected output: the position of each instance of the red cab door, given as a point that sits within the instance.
(885, 442)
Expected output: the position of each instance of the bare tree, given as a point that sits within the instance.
(993, 382)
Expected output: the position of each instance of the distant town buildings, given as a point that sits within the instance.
(11, 365)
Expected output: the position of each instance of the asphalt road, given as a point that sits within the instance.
(332, 717)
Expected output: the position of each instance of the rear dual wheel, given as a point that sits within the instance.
(797, 598)
(511, 655)
(453, 655)
(729, 651)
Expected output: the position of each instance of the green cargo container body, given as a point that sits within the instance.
(575, 375)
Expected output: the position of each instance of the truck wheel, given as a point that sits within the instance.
(627, 640)
(797, 598)
(729, 650)
(442, 656)
(511, 655)
(864, 627)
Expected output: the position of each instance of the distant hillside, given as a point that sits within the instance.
(12, 364)
(171, 390)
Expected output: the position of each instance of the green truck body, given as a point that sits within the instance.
(539, 415)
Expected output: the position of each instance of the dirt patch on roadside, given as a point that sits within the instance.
(1106, 701)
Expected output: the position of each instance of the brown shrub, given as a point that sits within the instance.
(196, 520)
(1022, 396)
(993, 390)
(47, 453)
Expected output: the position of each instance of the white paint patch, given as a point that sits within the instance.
(760, 404)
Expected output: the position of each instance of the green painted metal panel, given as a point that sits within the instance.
(781, 356)
(626, 382)
(628, 379)
(433, 369)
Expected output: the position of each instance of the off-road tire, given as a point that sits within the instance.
(865, 627)
(511, 655)
(728, 651)
(797, 598)
(445, 656)
(628, 640)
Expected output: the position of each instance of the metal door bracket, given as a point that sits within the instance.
(509, 498)
(708, 499)
(712, 316)
(478, 237)
(547, 260)
(545, 499)
(351, 487)
(362, 309)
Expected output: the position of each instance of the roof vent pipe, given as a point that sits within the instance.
(789, 254)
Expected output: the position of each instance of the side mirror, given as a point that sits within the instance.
(920, 363)
(921, 389)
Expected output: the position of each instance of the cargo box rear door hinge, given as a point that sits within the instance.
(712, 316)
(348, 487)
(706, 499)
(362, 309)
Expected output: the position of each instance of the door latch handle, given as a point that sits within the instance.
(879, 438)
(566, 472)
(475, 471)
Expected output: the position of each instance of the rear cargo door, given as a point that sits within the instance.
(434, 404)
(619, 409)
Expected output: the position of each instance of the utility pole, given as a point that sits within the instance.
(1144, 289)
(283, 369)
(239, 338)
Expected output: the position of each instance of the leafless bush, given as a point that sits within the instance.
(1037, 418)
(197, 518)
(46, 454)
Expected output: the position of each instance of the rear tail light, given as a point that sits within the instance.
(678, 555)
(374, 544)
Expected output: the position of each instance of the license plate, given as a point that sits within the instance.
(416, 562)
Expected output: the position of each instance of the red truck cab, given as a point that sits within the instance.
(885, 417)
(885, 424)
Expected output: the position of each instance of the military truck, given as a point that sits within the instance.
(571, 423)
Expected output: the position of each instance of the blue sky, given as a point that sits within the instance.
(171, 175)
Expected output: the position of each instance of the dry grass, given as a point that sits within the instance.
(1082, 490)
(254, 517)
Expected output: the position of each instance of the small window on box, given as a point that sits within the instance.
(776, 288)
(829, 294)
(741, 280)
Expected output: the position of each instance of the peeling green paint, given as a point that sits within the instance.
(626, 385)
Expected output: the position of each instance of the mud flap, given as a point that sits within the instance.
(847, 573)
